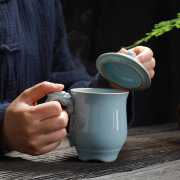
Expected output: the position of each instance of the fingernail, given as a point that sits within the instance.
(123, 50)
(58, 85)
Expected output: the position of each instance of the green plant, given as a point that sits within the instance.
(159, 29)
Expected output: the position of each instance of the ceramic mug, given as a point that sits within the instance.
(98, 121)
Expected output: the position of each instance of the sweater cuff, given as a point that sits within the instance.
(3, 107)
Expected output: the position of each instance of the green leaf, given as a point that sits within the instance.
(158, 30)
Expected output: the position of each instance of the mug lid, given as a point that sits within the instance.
(123, 70)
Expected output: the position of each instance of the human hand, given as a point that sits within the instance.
(34, 129)
(145, 56)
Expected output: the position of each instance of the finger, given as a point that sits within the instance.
(53, 137)
(33, 94)
(45, 149)
(149, 64)
(123, 50)
(143, 53)
(151, 72)
(46, 110)
(140, 49)
(144, 56)
(50, 147)
(54, 124)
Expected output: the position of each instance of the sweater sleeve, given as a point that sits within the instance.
(3, 107)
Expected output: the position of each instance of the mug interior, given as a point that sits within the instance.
(99, 91)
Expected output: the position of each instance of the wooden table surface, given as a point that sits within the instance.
(151, 152)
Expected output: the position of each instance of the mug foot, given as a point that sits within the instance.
(98, 155)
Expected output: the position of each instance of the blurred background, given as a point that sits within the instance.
(98, 26)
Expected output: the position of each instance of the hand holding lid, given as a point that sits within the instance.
(123, 70)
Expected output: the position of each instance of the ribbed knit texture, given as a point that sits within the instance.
(33, 48)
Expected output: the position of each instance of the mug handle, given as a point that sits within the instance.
(66, 100)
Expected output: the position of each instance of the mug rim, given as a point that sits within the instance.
(116, 91)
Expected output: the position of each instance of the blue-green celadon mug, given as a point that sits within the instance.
(98, 121)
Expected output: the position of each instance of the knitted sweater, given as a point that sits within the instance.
(33, 48)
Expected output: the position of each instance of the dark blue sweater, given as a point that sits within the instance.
(33, 48)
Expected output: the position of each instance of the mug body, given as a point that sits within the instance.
(98, 126)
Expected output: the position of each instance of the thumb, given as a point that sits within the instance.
(33, 94)
(123, 50)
